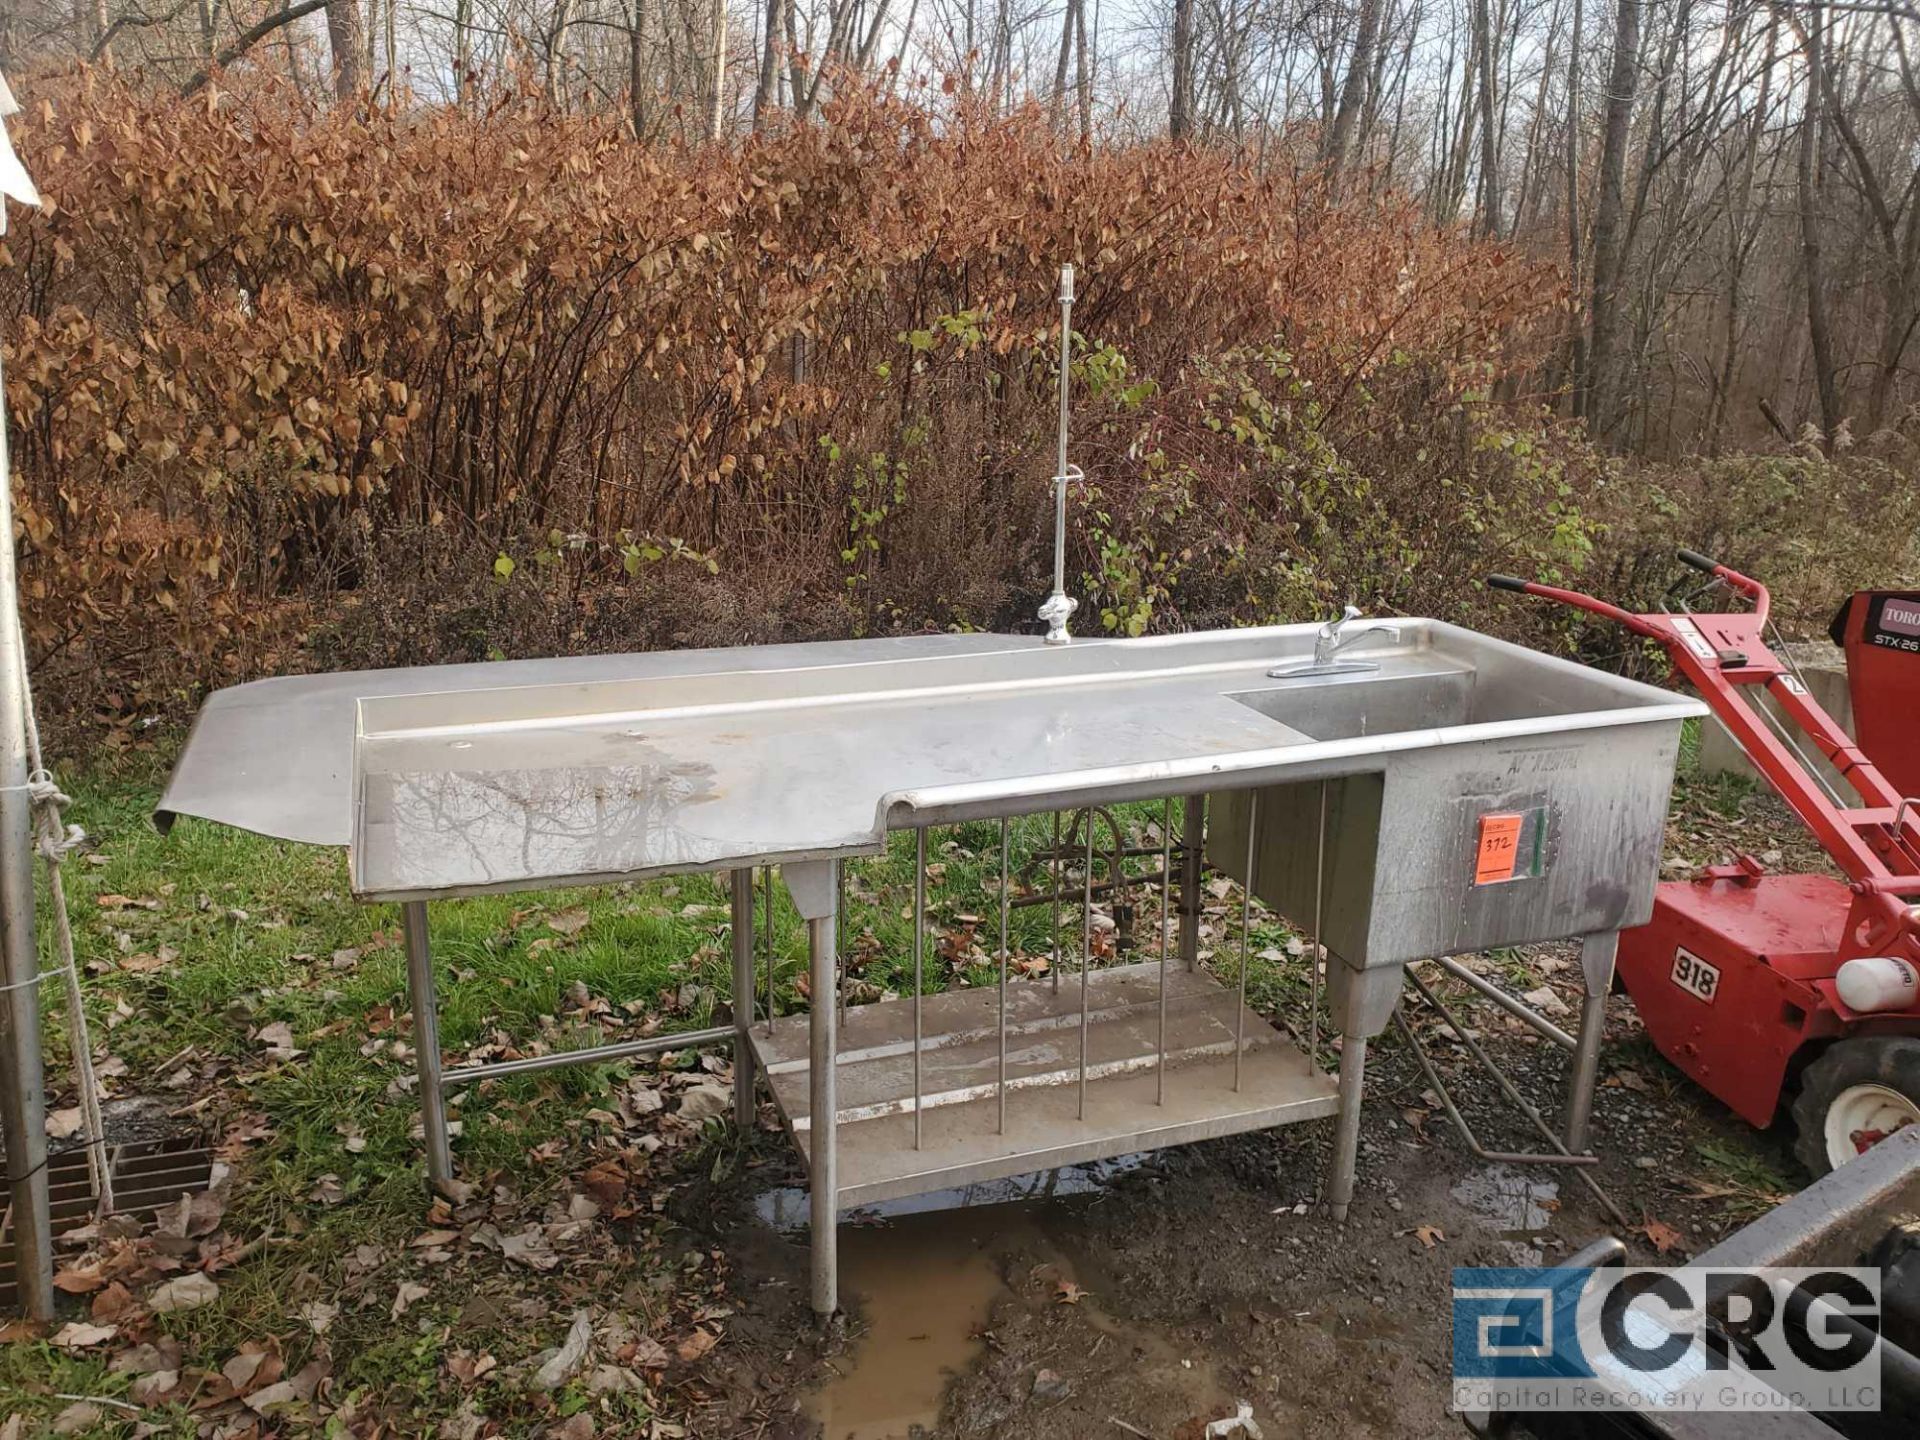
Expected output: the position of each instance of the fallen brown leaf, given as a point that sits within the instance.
(1662, 1236)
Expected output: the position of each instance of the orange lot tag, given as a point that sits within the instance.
(1499, 848)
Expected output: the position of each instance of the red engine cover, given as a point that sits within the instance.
(1880, 631)
(1724, 978)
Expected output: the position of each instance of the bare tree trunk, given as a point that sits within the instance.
(766, 95)
(1489, 136)
(1353, 91)
(92, 17)
(462, 50)
(1819, 333)
(796, 63)
(716, 116)
(1057, 102)
(345, 40)
(1740, 246)
(1623, 76)
(1180, 112)
(637, 80)
(557, 50)
(1577, 358)
(1083, 78)
(393, 53)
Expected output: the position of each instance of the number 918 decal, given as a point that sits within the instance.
(1694, 975)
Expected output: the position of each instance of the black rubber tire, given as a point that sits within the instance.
(1890, 1060)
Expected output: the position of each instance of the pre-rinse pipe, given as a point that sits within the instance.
(1059, 606)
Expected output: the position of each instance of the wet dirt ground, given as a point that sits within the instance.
(1152, 1297)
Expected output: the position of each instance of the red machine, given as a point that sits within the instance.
(1880, 631)
(1753, 982)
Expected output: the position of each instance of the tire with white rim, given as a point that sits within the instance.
(1856, 1094)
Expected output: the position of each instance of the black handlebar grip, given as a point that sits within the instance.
(1698, 561)
(1506, 582)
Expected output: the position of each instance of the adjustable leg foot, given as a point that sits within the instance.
(1346, 1134)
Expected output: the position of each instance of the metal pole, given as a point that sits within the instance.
(426, 1043)
(919, 960)
(766, 903)
(1086, 961)
(1319, 935)
(1166, 945)
(23, 1096)
(742, 938)
(1060, 456)
(1193, 822)
(1005, 848)
(823, 1181)
(1059, 607)
(1346, 1132)
(1057, 873)
(840, 937)
(1520, 1011)
(1597, 954)
(1246, 936)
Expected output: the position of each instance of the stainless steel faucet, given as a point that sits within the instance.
(1331, 639)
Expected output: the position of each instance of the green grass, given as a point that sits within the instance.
(1725, 793)
(1746, 1182)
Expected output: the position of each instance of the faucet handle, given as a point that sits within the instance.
(1334, 626)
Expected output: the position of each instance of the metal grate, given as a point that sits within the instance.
(146, 1175)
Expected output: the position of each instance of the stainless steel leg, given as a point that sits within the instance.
(1319, 931)
(840, 937)
(919, 962)
(766, 903)
(823, 1181)
(1597, 954)
(1005, 902)
(426, 1042)
(1056, 872)
(1193, 823)
(743, 998)
(1346, 1132)
(1246, 935)
(1166, 945)
(1086, 962)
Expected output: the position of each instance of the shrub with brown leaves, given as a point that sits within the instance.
(264, 359)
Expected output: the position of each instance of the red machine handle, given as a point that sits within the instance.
(1635, 623)
(1746, 584)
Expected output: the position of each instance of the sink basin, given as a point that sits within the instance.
(1385, 701)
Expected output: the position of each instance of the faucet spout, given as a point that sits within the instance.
(1328, 642)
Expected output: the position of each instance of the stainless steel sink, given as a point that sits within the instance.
(1357, 796)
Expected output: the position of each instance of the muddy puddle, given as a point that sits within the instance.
(1513, 1205)
(922, 1275)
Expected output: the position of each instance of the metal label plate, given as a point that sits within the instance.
(1695, 976)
